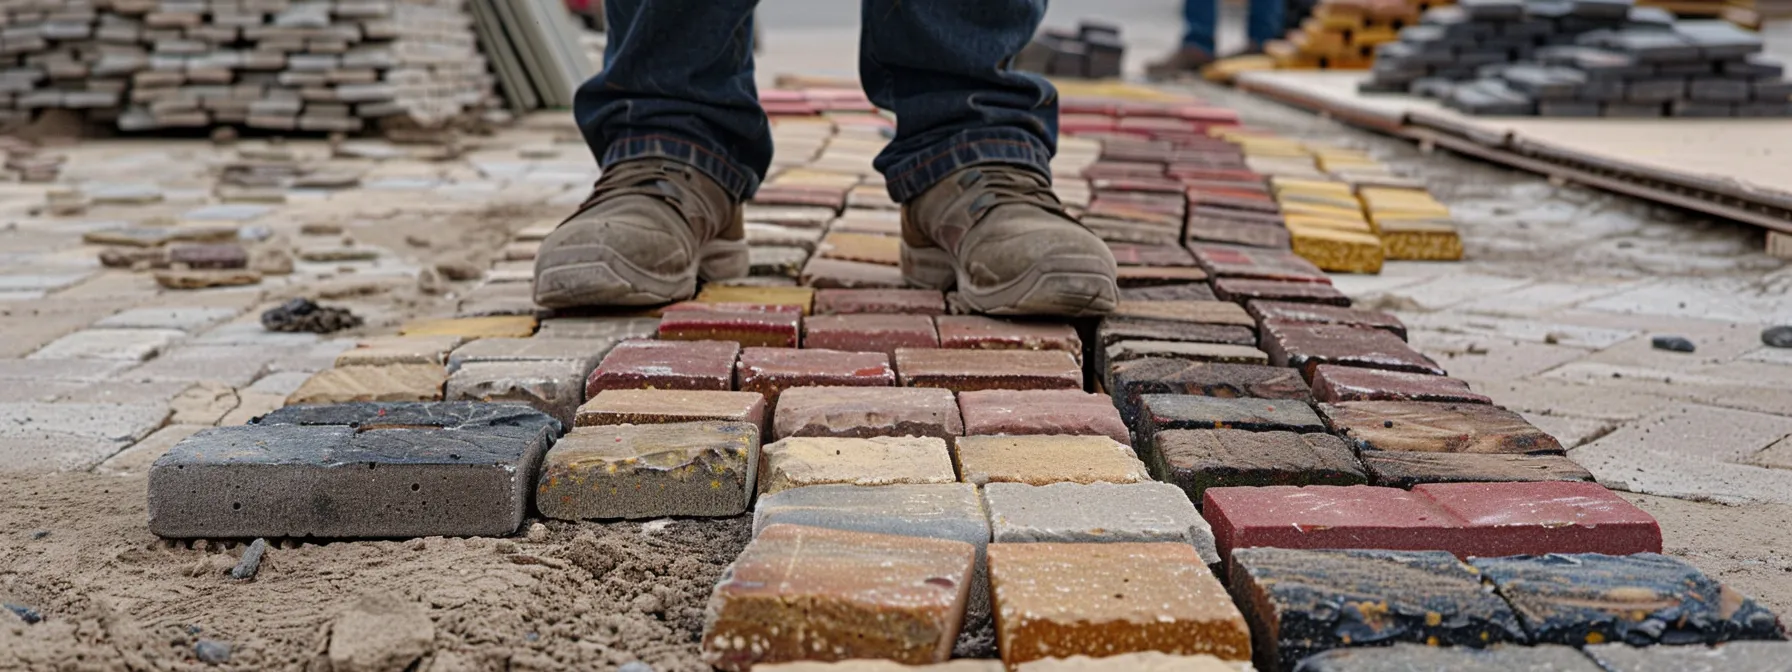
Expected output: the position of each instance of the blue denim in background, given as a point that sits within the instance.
(678, 83)
(1200, 18)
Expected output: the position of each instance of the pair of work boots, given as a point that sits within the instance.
(653, 227)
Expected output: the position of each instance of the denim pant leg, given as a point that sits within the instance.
(1265, 22)
(677, 83)
(1200, 21)
(944, 67)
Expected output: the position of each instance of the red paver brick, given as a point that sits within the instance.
(1328, 516)
(1211, 229)
(969, 370)
(1194, 312)
(665, 365)
(770, 371)
(1307, 346)
(1468, 519)
(1056, 600)
(1023, 412)
(1332, 384)
(870, 333)
(1314, 313)
(750, 329)
(890, 301)
(864, 412)
(1233, 261)
(1545, 517)
(808, 593)
(1177, 291)
(1241, 290)
(976, 332)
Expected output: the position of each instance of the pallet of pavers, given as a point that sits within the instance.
(1236, 470)
(1343, 34)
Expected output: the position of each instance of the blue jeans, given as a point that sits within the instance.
(1200, 18)
(678, 83)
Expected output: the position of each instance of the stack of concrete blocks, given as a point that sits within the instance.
(1583, 58)
(1344, 34)
(1093, 51)
(284, 65)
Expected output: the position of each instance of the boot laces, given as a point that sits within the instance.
(640, 178)
(1000, 185)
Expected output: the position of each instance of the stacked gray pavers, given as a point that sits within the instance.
(1581, 58)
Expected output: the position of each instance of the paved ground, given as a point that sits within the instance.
(1552, 315)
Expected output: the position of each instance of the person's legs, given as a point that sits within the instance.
(675, 122)
(677, 83)
(1265, 22)
(1200, 21)
(971, 160)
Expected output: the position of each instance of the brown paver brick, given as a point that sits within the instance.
(1307, 346)
(1126, 351)
(864, 412)
(1051, 412)
(654, 407)
(1405, 469)
(397, 382)
(896, 301)
(885, 460)
(870, 332)
(1197, 312)
(650, 471)
(749, 329)
(1198, 459)
(585, 352)
(1145, 661)
(1235, 261)
(770, 371)
(1127, 381)
(970, 370)
(1314, 313)
(976, 332)
(1116, 329)
(1042, 460)
(1242, 290)
(1059, 600)
(861, 247)
(823, 273)
(1436, 427)
(384, 350)
(808, 593)
(1333, 384)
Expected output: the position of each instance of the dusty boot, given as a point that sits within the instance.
(1185, 60)
(1000, 235)
(649, 229)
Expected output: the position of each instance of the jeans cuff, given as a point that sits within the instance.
(712, 161)
(915, 175)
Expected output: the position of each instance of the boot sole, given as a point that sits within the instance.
(618, 282)
(1075, 286)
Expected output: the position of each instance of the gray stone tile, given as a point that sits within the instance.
(583, 352)
(1097, 513)
(119, 423)
(282, 383)
(252, 333)
(1693, 452)
(554, 386)
(137, 458)
(338, 481)
(230, 212)
(43, 282)
(39, 453)
(128, 345)
(236, 366)
(188, 319)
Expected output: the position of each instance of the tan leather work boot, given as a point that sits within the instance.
(1000, 235)
(649, 229)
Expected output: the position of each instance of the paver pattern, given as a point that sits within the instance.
(925, 482)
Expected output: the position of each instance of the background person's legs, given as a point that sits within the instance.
(1200, 22)
(1265, 22)
(677, 83)
(942, 67)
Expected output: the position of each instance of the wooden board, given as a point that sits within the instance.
(1735, 168)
